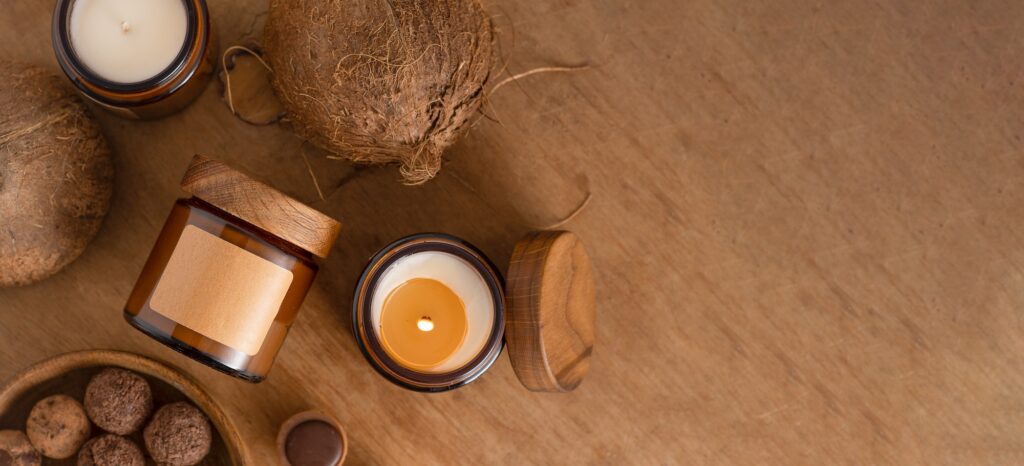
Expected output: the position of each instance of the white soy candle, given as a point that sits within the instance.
(128, 41)
(433, 312)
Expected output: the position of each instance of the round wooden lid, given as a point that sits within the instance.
(260, 205)
(549, 325)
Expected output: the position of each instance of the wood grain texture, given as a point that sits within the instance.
(69, 373)
(261, 205)
(549, 325)
(805, 228)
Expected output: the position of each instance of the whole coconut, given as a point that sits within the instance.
(381, 81)
(55, 175)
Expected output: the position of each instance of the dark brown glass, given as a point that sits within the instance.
(168, 92)
(370, 344)
(210, 219)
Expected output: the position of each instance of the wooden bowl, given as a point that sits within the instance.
(69, 373)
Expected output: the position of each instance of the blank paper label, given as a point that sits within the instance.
(221, 291)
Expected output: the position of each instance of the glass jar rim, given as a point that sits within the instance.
(73, 66)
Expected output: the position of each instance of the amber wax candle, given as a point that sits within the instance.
(137, 58)
(429, 312)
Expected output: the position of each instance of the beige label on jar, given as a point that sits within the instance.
(221, 291)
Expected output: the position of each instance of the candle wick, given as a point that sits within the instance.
(425, 324)
(125, 26)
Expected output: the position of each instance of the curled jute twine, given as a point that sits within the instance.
(549, 69)
(227, 72)
(578, 210)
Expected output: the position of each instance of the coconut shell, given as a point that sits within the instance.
(55, 175)
(377, 81)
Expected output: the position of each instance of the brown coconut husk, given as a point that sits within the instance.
(55, 175)
(378, 82)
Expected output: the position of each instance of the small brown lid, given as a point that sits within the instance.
(550, 316)
(260, 205)
(312, 438)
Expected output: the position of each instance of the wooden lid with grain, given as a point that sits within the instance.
(260, 205)
(549, 325)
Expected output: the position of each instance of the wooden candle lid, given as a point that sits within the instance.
(260, 205)
(549, 325)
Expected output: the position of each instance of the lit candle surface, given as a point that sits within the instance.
(128, 41)
(433, 312)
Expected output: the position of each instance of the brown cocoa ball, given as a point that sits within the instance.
(55, 174)
(110, 450)
(57, 426)
(118, 401)
(16, 450)
(178, 435)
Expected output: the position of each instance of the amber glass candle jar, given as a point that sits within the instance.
(119, 38)
(229, 271)
(412, 344)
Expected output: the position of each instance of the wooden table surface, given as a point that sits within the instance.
(806, 224)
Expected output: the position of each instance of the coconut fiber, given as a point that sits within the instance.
(380, 82)
(55, 174)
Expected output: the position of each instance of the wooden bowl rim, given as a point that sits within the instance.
(309, 415)
(47, 369)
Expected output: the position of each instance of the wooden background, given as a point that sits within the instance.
(806, 224)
